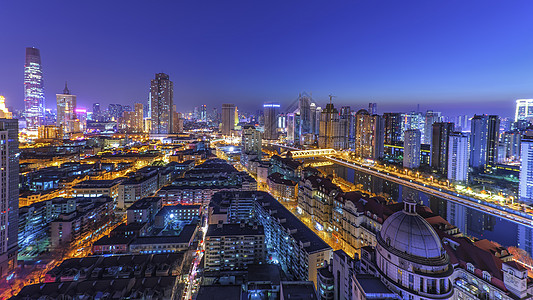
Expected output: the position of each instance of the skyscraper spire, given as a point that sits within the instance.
(65, 90)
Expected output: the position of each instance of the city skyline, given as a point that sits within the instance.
(426, 58)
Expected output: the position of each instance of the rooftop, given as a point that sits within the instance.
(233, 229)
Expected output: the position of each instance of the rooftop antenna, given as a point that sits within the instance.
(331, 99)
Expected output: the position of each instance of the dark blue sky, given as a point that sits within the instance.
(455, 56)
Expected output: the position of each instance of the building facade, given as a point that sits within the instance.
(66, 112)
(458, 157)
(411, 150)
(33, 89)
(161, 102)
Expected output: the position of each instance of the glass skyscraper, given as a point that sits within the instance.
(33, 89)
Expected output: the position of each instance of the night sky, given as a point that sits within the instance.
(453, 56)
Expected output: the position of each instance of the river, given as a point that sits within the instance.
(471, 222)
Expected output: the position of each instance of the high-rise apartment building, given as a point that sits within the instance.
(9, 197)
(66, 111)
(330, 135)
(439, 145)
(33, 89)
(132, 121)
(251, 140)
(411, 148)
(161, 101)
(431, 117)
(393, 128)
(229, 114)
(525, 188)
(413, 120)
(524, 110)
(271, 111)
(458, 156)
(484, 139)
(347, 127)
(369, 135)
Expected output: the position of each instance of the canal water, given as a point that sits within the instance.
(471, 222)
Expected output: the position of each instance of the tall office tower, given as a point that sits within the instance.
(251, 140)
(431, 117)
(81, 121)
(393, 128)
(316, 119)
(228, 118)
(330, 130)
(439, 145)
(203, 113)
(484, 139)
(9, 197)
(304, 105)
(66, 111)
(4, 112)
(372, 108)
(525, 187)
(347, 127)
(458, 156)
(33, 89)
(413, 120)
(411, 148)
(161, 101)
(271, 111)
(524, 110)
(510, 141)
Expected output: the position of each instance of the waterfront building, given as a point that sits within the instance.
(411, 150)
(347, 127)
(458, 156)
(510, 146)
(315, 200)
(431, 117)
(439, 146)
(330, 135)
(161, 102)
(393, 128)
(33, 89)
(413, 120)
(484, 138)
(525, 188)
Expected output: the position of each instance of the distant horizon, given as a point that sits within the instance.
(451, 57)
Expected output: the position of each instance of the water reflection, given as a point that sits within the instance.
(471, 222)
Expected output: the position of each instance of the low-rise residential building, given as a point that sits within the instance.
(165, 244)
(137, 186)
(97, 188)
(143, 210)
(172, 213)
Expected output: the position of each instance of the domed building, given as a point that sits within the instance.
(410, 259)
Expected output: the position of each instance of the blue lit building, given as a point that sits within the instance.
(33, 89)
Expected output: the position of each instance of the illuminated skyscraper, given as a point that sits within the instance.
(161, 101)
(9, 197)
(271, 111)
(524, 110)
(4, 112)
(66, 111)
(458, 157)
(33, 89)
(525, 188)
(393, 128)
(431, 117)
